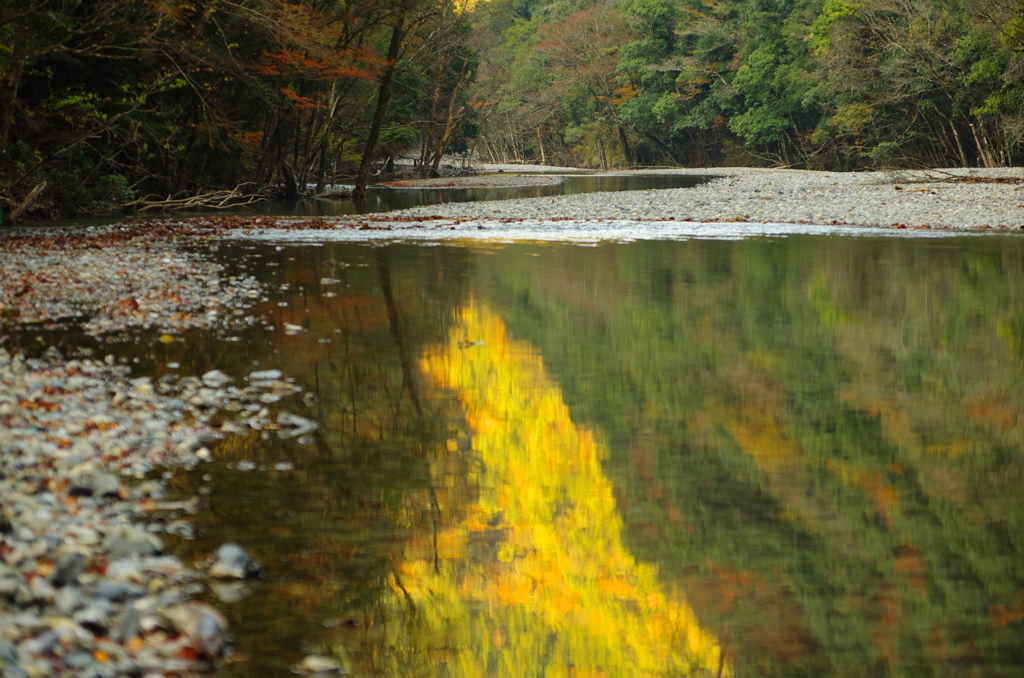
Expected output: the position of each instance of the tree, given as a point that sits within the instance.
(124, 98)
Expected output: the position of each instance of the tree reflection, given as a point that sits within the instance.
(533, 575)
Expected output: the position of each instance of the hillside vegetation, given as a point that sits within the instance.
(824, 84)
(110, 102)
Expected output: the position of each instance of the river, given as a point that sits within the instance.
(781, 456)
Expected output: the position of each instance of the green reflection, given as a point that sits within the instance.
(814, 442)
(820, 439)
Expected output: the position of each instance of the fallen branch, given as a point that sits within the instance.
(27, 202)
(217, 200)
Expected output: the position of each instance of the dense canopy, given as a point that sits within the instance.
(109, 101)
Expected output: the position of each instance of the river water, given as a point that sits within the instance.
(784, 456)
(381, 198)
(765, 456)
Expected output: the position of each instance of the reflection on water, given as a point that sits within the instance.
(384, 199)
(535, 573)
(787, 457)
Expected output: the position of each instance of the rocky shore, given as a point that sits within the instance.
(962, 199)
(87, 588)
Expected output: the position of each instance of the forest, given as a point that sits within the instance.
(104, 103)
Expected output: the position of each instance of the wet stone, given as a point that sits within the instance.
(125, 570)
(231, 561)
(127, 547)
(71, 633)
(14, 670)
(204, 625)
(216, 379)
(231, 592)
(264, 377)
(78, 660)
(67, 569)
(8, 652)
(42, 591)
(96, 617)
(43, 644)
(94, 483)
(318, 665)
(127, 668)
(132, 541)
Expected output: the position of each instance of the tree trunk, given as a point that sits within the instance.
(9, 92)
(398, 333)
(627, 154)
(959, 144)
(428, 150)
(383, 98)
(291, 188)
(453, 117)
(982, 143)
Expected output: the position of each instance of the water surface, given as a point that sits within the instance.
(789, 456)
(381, 198)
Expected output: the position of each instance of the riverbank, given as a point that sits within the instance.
(961, 199)
(88, 586)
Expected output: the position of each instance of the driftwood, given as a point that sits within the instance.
(27, 202)
(216, 200)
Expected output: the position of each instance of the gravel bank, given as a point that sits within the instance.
(949, 199)
(86, 587)
(116, 278)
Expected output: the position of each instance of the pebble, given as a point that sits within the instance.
(204, 625)
(318, 665)
(67, 569)
(231, 561)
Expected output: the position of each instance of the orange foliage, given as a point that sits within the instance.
(779, 629)
(301, 102)
(248, 138)
(625, 93)
(618, 587)
(294, 63)
(762, 437)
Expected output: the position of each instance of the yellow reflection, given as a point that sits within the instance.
(533, 578)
